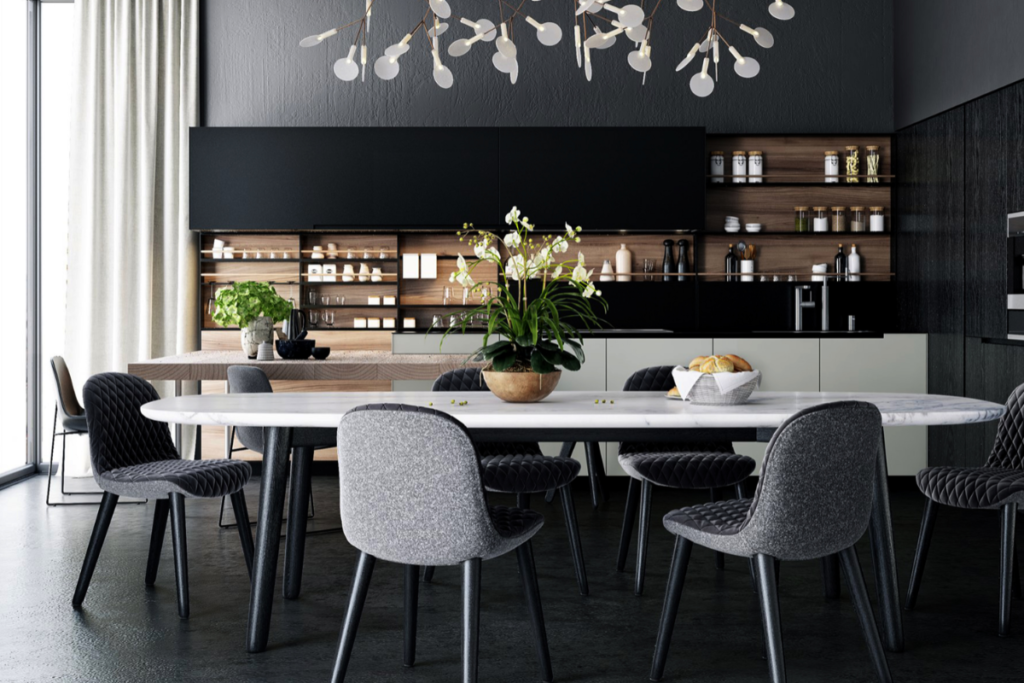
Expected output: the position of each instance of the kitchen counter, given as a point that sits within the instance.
(692, 334)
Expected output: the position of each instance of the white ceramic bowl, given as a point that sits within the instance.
(732, 228)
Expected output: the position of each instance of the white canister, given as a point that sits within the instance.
(218, 248)
(623, 264)
(717, 167)
(755, 166)
(364, 272)
(376, 275)
(332, 250)
(739, 167)
(831, 166)
(607, 272)
(746, 266)
(347, 273)
(819, 268)
(876, 223)
(819, 218)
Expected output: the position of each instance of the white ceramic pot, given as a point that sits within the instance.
(255, 333)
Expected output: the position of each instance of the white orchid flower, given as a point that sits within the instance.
(590, 290)
(579, 259)
(559, 245)
(515, 267)
(513, 239)
(556, 272)
(512, 216)
(526, 222)
(580, 274)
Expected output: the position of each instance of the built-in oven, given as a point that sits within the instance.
(1015, 275)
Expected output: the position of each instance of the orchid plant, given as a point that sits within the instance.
(537, 334)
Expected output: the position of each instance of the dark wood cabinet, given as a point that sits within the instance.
(640, 179)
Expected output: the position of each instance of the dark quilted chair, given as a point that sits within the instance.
(437, 517)
(135, 456)
(712, 465)
(999, 485)
(522, 469)
(243, 379)
(72, 422)
(813, 500)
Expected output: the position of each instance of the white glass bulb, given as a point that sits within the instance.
(689, 57)
(459, 47)
(579, 44)
(747, 67)
(310, 41)
(636, 33)
(442, 9)
(548, 33)
(503, 63)
(485, 27)
(346, 68)
(587, 68)
(603, 41)
(702, 84)
(506, 46)
(639, 60)
(513, 75)
(782, 11)
(386, 67)
(443, 76)
(705, 44)
(396, 50)
(438, 28)
(763, 37)
(630, 15)
(690, 5)
(584, 6)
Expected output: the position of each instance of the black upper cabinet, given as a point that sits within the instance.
(604, 178)
(434, 177)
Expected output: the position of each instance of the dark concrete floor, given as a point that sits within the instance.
(128, 633)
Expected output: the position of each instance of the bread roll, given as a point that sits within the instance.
(739, 364)
(673, 392)
(714, 364)
(696, 362)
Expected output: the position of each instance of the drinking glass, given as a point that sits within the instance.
(339, 300)
(648, 268)
(465, 296)
(314, 316)
(325, 300)
(447, 297)
(329, 318)
(312, 297)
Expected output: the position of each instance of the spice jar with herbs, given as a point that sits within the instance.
(872, 161)
(852, 164)
(802, 220)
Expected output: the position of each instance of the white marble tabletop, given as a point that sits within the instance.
(575, 409)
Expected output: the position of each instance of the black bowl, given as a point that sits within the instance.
(295, 349)
(321, 352)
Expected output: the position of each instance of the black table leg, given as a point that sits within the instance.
(595, 470)
(883, 555)
(277, 443)
(295, 542)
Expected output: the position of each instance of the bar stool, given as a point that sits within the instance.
(134, 456)
(813, 500)
(999, 485)
(411, 493)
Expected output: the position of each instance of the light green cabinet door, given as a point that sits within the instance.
(785, 365)
(455, 344)
(896, 363)
(626, 356)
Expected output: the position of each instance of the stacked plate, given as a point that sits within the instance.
(732, 224)
(753, 227)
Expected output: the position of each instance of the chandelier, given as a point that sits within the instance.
(597, 27)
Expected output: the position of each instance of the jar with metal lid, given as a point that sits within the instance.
(831, 166)
(717, 167)
(852, 164)
(858, 219)
(876, 222)
(802, 220)
(755, 166)
(838, 219)
(739, 167)
(872, 163)
(820, 218)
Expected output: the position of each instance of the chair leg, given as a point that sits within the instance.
(524, 554)
(412, 594)
(49, 472)
(470, 618)
(851, 566)
(924, 540)
(673, 591)
(356, 600)
(1006, 554)
(575, 546)
(769, 595)
(830, 575)
(566, 452)
(156, 539)
(716, 496)
(628, 519)
(242, 522)
(595, 469)
(99, 533)
(177, 502)
(428, 574)
(295, 542)
(646, 492)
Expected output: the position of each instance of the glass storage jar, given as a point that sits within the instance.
(820, 219)
(872, 163)
(739, 167)
(831, 166)
(755, 166)
(717, 167)
(876, 223)
(802, 220)
(858, 219)
(852, 164)
(838, 219)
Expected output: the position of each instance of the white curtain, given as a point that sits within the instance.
(132, 278)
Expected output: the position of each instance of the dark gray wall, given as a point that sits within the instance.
(830, 71)
(948, 52)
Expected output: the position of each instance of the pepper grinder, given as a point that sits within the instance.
(666, 264)
(683, 265)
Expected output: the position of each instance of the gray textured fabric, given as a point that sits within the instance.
(814, 495)
(411, 490)
(191, 478)
(248, 380)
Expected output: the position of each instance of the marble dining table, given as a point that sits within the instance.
(584, 416)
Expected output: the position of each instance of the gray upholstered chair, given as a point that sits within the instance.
(72, 421)
(712, 466)
(813, 499)
(134, 456)
(522, 469)
(251, 380)
(999, 485)
(411, 493)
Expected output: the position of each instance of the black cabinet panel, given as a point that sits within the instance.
(646, 179)
(434, 177)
